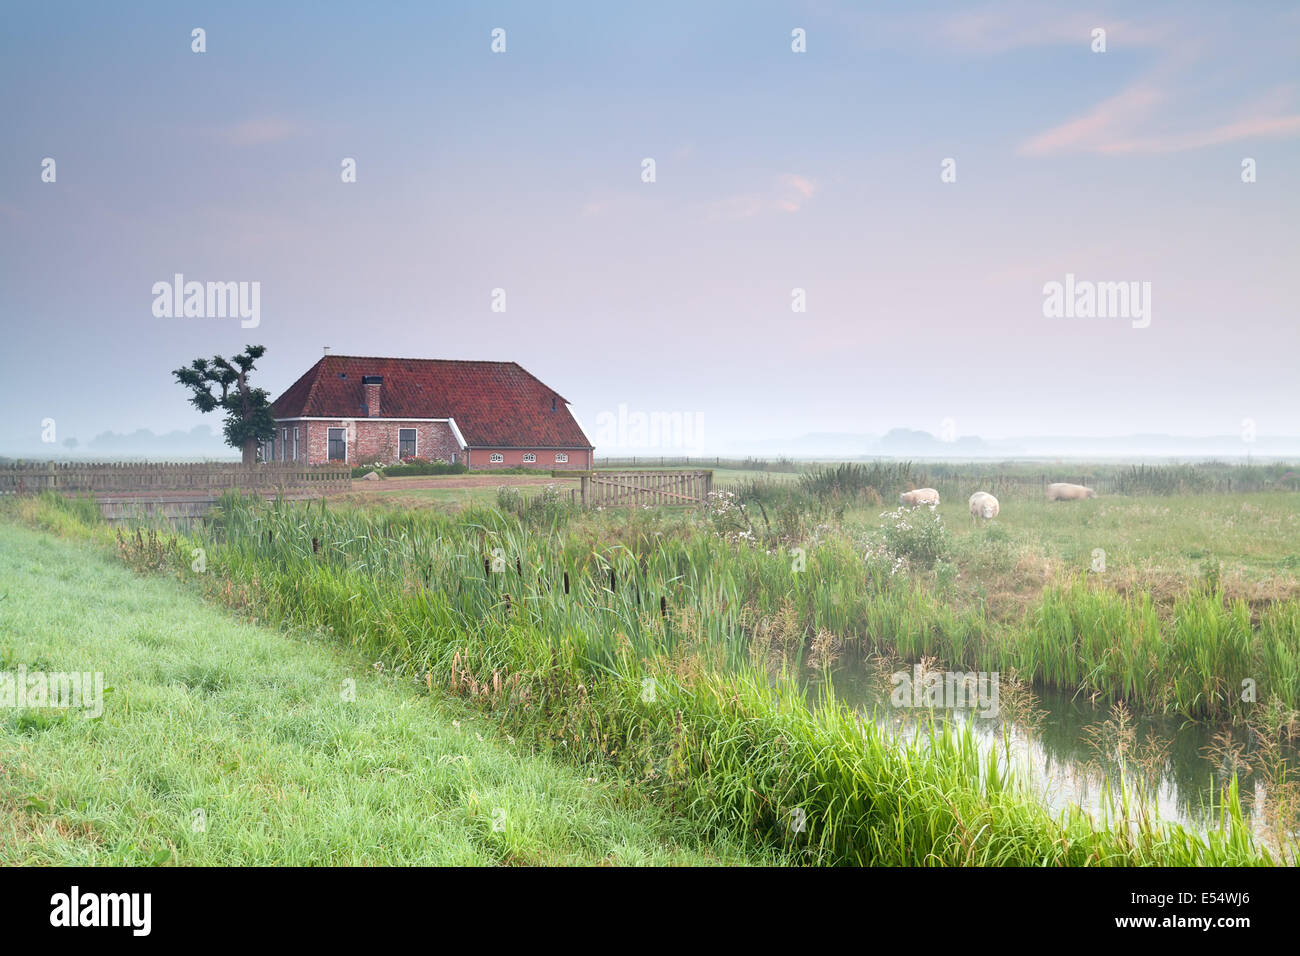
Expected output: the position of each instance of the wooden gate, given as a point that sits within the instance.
(648, 489)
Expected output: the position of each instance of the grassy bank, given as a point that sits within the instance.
(228, 743)
(625, 652)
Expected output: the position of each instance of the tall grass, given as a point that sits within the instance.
(1163, 480)
(1190, 658)
(635, 653)
(850, 480)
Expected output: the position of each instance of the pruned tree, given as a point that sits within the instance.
(220, 383)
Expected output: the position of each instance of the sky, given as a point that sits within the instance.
(774, 171)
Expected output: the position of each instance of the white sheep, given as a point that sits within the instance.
(921, 496)
(983, 505)
(1064, 491)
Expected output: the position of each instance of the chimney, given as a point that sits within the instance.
(327, 350)
(370, 388)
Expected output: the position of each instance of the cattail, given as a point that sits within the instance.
(611, 579)
(566, 580)
(518, 568)
(315, 546)
(663, 606)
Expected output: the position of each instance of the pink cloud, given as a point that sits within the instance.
(1010, 26)
(1121, 125)
(801, 185)
(1263, 127)
(1098, 125)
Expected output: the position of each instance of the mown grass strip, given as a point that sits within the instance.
(227, 743)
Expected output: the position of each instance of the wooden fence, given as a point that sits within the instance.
(180, 478)
(637, 489)
(957, 485)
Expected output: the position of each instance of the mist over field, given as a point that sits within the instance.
(982, 218)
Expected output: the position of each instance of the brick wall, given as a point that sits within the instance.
(370, 441)
(480, 459)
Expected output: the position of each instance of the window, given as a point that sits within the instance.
(295, 442)
(284, 445)
(406, 443)
(530, 457)
(338, 442)
(270, 449)
(561, 457)
(497, 457)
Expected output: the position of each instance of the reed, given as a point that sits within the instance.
(636, 653)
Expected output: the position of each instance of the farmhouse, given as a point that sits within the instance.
(483, 414)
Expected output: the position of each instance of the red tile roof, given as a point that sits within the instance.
(495, 404)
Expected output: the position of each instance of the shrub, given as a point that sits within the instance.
(726, 512)
(547, 508)
(855, 481)
(411, 466)
(917, 534)
(510, 500)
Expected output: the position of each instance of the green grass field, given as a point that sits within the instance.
(558, 645)
(247, 725)
(728, 609)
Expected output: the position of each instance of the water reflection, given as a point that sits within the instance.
(1071, 749)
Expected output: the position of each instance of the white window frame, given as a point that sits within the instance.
(561, 457)
(496, 458)
(530, 458)
(295, 442)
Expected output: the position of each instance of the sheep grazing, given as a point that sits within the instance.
(1064, 491)
(921, 496)
(983, 505)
